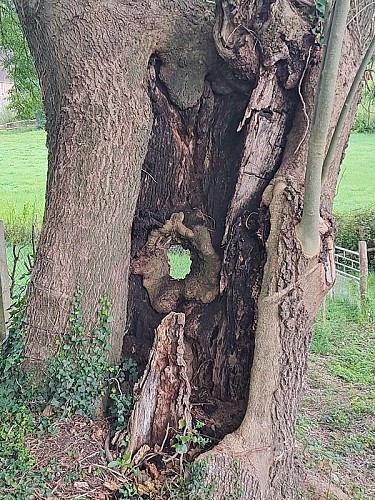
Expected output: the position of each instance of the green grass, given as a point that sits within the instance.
(356, 183)
(335, 427)
(23, 170)
(347, 341)
(179, 262)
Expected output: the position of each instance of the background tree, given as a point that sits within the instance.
(171, 124)
(25, 98)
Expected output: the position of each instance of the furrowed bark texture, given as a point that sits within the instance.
(94, 66)
(292, 289)
(223, 111)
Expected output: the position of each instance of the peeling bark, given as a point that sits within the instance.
(261, 214)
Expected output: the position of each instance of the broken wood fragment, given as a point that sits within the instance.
(162, 396)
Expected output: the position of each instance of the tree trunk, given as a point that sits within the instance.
(94, 67)
(268, 290)
(227, 150)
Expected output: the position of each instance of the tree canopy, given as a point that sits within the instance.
(25, 97)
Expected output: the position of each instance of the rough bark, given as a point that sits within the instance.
(94, 66)
(255, 239)
(292, 289)
(229, 112)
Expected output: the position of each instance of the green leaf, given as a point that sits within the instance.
(126, 459)
(182, 423)
(180, 448)
(114, 464)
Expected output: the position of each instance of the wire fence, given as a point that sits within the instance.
(19, 125)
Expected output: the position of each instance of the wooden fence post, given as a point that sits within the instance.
(363, 271)
(4, 286)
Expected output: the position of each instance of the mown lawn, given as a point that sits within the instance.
(356, 184)
(23, 170)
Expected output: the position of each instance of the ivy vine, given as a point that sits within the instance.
(79, 369)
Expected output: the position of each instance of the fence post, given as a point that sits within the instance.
(4, 286)
(363, 271)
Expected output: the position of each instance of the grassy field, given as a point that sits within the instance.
(336, 426)
(23, 169)
(356, 183)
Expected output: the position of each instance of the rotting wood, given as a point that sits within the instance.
(162, 396)
(201, 284)
(195, 160)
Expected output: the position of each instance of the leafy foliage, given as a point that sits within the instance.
(120, 403)
(25, 96)
(318, 20)
(191, 485)
(348, 226)
(12, 348)
(78, 370)
(365, 118)
(179, 262)
(127, 491)
(186, 438)
(16, 480)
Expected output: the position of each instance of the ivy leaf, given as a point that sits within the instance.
(114, 464)
(182, 423)
(180, 448)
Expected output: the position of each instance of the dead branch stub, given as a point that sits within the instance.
(162, 396)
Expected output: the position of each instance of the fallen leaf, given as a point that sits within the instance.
(153, 470)
(81, 485)
(111, 485)
(146, 488)
(143, 450)
(48, 411)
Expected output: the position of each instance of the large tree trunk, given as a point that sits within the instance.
(98, 120)
(94, 66)
(227, 149)
(219, 161)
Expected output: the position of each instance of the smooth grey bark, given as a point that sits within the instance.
(308, 228)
